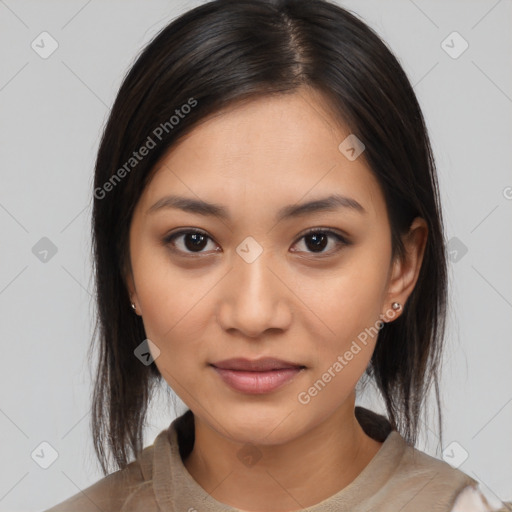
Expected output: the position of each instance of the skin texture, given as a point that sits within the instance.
(291, 302)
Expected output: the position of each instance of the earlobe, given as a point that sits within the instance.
(391, 312)
(405, 271)
(130, 287)
(134, 303)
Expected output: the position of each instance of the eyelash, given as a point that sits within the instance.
(341, 240)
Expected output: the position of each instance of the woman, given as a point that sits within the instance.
(268, 235)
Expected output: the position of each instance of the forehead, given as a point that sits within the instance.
(265, 153)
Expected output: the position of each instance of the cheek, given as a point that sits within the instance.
(348, 302)
(175, 323)
(350, 310)
(175, 312)
(166, 292)
(352, 293)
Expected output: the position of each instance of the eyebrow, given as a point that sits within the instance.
(200, 207)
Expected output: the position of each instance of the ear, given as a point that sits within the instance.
(130, 287)
(404, 272)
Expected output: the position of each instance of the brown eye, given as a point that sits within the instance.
(192, 241)
(316, 240)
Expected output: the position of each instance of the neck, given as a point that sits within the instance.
(286, 477)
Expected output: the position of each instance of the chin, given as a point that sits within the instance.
(260, 425)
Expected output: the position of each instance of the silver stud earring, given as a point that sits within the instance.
(396, 306)
(134, 307)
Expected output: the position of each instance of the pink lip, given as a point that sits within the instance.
(257, 365)
(257, 382)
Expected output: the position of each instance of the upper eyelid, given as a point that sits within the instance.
(329, 230)
(334, 231)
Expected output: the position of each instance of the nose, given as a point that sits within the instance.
(254, 298)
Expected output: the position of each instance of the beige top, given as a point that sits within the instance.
(399, 477)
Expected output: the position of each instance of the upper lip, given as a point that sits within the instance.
(256, 365)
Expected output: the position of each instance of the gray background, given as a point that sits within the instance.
(52, 113)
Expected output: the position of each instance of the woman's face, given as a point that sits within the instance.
(256, 285)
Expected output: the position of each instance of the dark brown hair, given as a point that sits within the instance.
(228, 51)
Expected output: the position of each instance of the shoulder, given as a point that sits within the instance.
(435, 473)
(113, 492)
(417, 481)
(471, 499)
(420, 462)
(420, 481)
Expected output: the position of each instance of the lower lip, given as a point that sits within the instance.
(257, 382)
